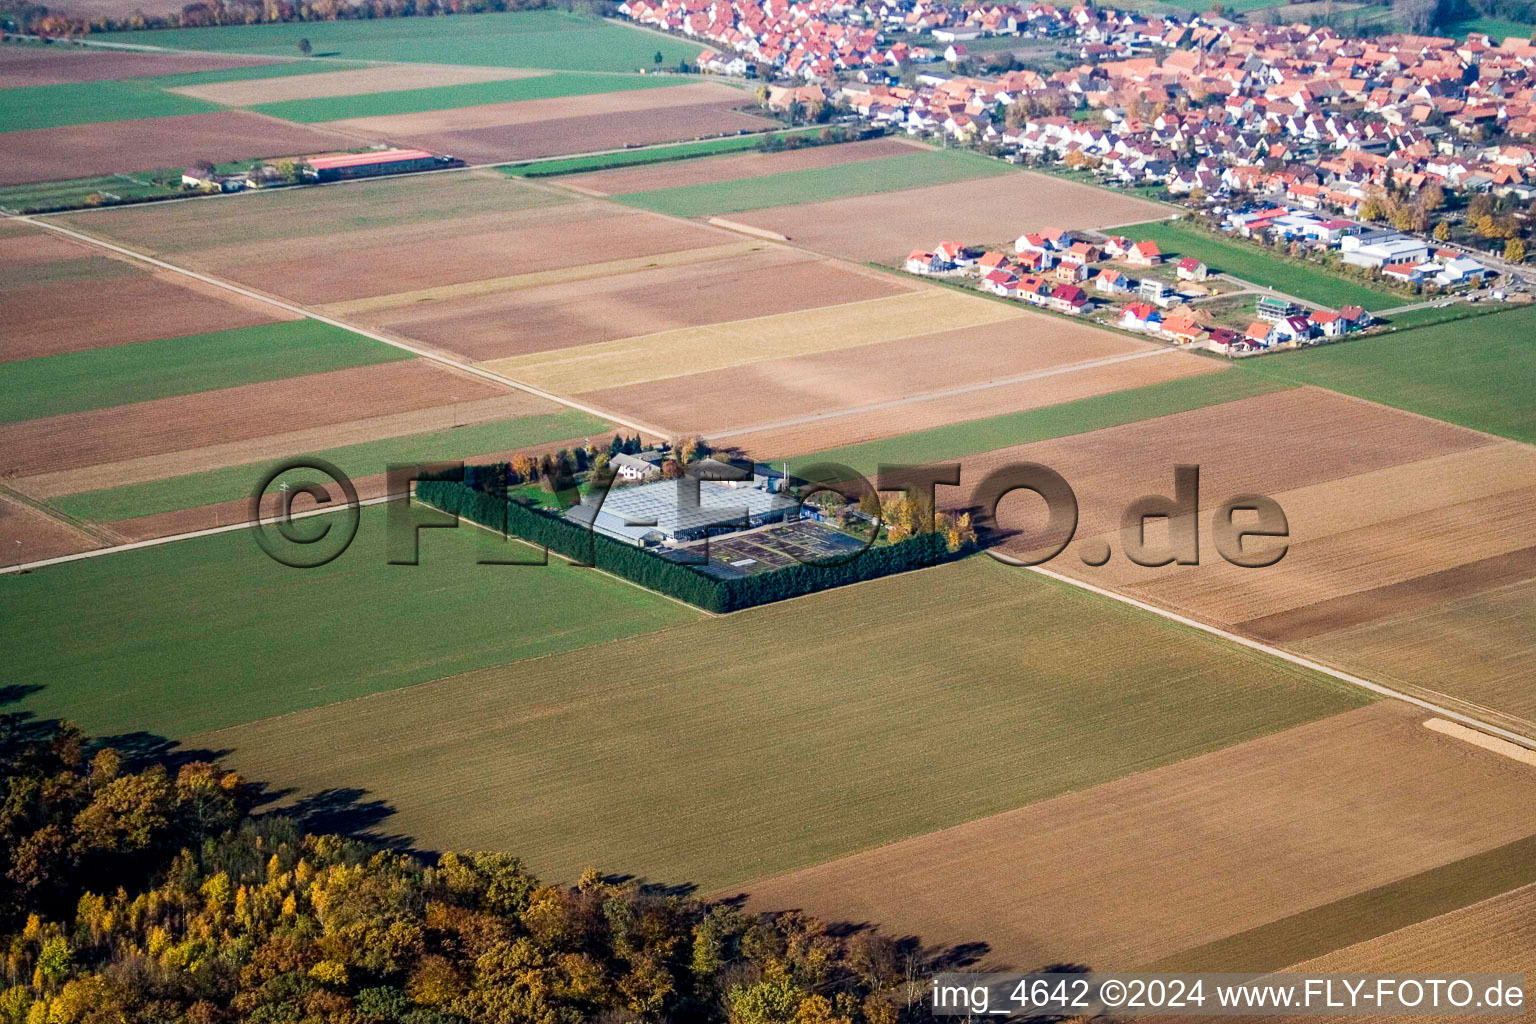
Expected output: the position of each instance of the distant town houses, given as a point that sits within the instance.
(1197, 104)
(1054, 270)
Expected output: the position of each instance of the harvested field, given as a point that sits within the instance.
(1273, 827)
(530, 139)
(885, 227)
(1496, 936)
(233, 414)
(49, 319)
(1476, 648)
(379, 308)
(358, 81)
(736, 343)
(265, 223)
(23, 66)
(745, 397)
(376, 262)
(26, 535)
(1368, 545)
(1267, 444)
(47, 154)
(572, 763)
(711, 170)
(522, 112)
(761, 283)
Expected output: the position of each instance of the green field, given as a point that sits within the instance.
(864, 177)
(101, 377)
(209, 632)
(1475, 373)
(553, 39)
(1253, 264)
(791, 734)
(50, 106)
(449, 97)
(648, 155)
(357, 460)
(972, 437)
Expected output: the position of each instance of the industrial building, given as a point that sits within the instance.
(342, 166)
(667, 512)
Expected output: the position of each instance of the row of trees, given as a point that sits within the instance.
(909, 550)
(152, 897)
(37, 18)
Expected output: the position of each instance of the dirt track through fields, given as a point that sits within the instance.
(1270, 827)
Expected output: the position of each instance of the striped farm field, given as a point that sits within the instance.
(131, 501)
(736, 343)
(315, 109)
(649, 177)
(864, 177)
(71, 382)
(210, 632)
(249, 90)
(973, 437)
(574, 761)
(1233, 861)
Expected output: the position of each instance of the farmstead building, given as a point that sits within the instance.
(341, 166)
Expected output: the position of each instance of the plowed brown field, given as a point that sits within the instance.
(84, 150)
(1137, 869)
(27, 535)
(22, 66)
(385, 261)
(885, 227)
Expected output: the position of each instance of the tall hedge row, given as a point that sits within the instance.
(653, 572)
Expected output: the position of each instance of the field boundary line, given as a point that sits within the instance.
(928, 396)
(1524, 742)
(290, 307)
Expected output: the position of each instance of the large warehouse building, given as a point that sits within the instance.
(341, 166)
(663, 513)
